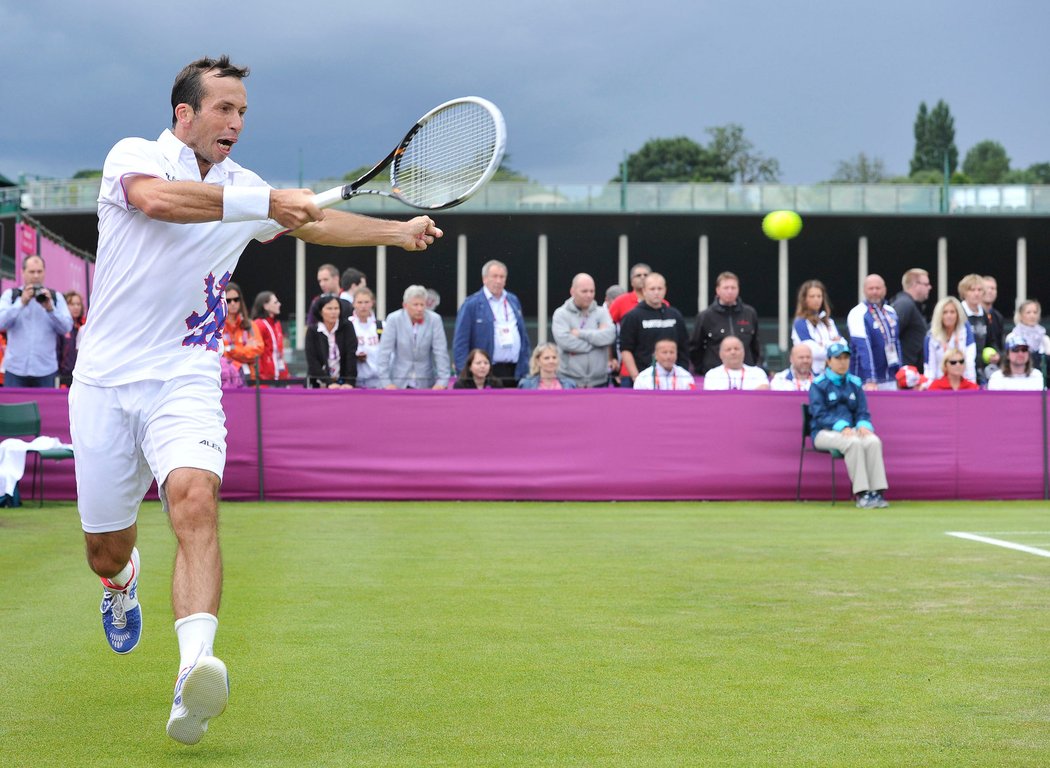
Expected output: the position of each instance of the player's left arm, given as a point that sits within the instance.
(346, 229)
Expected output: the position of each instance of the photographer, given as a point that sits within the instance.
(34, 317)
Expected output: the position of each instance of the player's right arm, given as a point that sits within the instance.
(189, 202)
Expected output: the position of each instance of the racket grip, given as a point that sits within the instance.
(329, 198)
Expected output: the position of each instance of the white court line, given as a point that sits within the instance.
(1000, 543)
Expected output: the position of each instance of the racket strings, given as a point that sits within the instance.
(448, 156)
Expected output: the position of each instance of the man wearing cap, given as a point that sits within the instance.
(873, 337)
(840, 421)
(1017, 373)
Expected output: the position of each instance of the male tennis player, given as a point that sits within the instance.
(145, 399)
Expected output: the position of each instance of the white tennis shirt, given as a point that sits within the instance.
(157, 305)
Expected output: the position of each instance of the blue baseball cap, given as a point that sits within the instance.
(837, 348)
(1016, 341)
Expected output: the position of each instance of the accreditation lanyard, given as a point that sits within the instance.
(672, 378)
(882, 322)
(734, 384)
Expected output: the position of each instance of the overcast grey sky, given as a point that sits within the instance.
(813, 82)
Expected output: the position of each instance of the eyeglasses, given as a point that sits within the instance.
(233, 298)
(1018, 349)
(956, 362)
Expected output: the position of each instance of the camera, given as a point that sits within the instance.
(38, 292)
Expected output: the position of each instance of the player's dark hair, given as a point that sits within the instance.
(189, 83)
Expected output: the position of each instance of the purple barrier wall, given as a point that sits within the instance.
(599, 444)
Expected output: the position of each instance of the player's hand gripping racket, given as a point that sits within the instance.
(444, 159)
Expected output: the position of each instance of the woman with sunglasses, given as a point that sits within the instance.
(952, 367)
(241, 342)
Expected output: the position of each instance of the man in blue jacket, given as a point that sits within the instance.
(874, 337)
(840, 421)
(491, 320)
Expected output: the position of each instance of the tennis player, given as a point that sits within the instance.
(145, 403)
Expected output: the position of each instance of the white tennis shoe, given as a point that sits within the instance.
(201, 693)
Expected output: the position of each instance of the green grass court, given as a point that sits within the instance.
(519, 634)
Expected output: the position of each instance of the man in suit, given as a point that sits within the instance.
(413, 350)
(491, 320)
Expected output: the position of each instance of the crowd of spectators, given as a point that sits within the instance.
(633, 338)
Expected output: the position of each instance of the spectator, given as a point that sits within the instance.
(328, 281)
(491, 319)
(625, 300)
(840, 421)
(265, 310)
(952, 373)
(798, 376)
(35, 318)
(909, 305)
(368, 329)
(971, 292)
(873, 340)
(612, 293)
(726, 316)
(996, 321)
(349, 282)
(813, 324)
(331, 346)
(1017, 373)
(585, 334)
(948, 331)
(70, 342)
(664, 374)
(477, 373)
(1026, 325)
(543, 370)
(413, 350)
(433, 300)
(241, 342)
(734, 373)
(647, 323)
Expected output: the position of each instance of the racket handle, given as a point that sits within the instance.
(329, 198)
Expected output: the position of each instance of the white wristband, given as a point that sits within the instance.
(245, 203)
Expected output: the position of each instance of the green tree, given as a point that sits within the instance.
(987, 163)
(934, 137)
(90, 173)
(1037, 173)
(860, 170)
(675, 159)
(737, 155)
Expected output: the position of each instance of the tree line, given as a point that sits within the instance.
(729, 156)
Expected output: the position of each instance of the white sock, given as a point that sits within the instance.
(196, 634)
(123, 578)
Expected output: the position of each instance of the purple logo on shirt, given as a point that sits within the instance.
(206, 329)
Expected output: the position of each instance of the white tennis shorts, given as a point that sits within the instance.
(127, 436)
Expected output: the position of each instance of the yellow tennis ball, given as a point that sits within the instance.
(988, 353)
(782, 225)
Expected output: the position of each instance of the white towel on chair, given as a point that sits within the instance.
(13, 459)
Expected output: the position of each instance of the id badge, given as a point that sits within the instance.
(891, 355)
(505, 334)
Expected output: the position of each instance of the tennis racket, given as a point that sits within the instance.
(445, 158)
